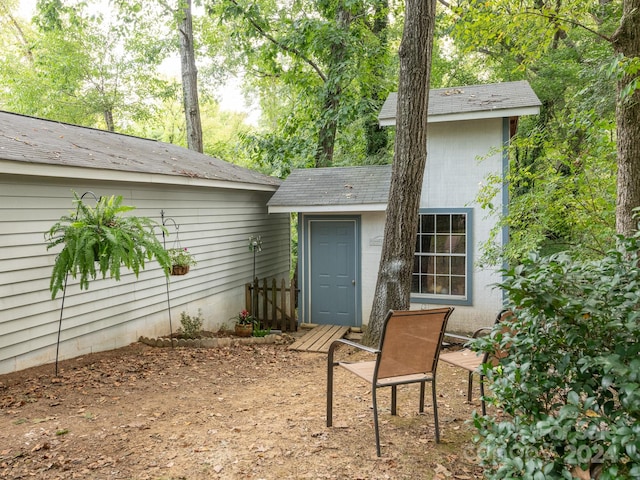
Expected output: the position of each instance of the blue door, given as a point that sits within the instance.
(333, 272)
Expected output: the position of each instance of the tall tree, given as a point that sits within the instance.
(73, 64)
(564, 48)
(410, 156)
(626, 42)
(324, 59)
(189, 78)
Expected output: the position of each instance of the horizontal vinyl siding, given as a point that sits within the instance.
(214, 224)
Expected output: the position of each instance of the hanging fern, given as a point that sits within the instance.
(100, 239)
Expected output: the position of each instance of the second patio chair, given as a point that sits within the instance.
(408, 353)
(472, 361)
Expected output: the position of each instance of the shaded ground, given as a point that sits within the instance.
(245, 412)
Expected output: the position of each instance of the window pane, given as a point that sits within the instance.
(458, 265)
(458, 223)
(457, 286)
(442, 243)
(428, 284)
(442, 265)
(443, 223)
(428, 243)
(458, 244)
(426, 264)
(427, 223)
(442, 285)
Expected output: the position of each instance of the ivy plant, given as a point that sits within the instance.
(102, 239)
(567, 396)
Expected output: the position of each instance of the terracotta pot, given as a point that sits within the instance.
(244, 330)
(179, 269)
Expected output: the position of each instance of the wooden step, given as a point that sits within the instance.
(319, 338)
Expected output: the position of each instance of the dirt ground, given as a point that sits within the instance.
(243, 412)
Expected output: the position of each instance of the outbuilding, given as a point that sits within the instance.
(341, 213)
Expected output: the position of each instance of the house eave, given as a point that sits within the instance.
(370, 207)
(11, 167)
(479, 115)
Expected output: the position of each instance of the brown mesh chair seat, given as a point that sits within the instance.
(472, 361)
(408, 353)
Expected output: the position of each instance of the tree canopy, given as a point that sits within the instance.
(319, 70)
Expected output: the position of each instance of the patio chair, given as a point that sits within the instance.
(408, 353)
(472, 361)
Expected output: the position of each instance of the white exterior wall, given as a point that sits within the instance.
(372, 227)
(453, 176)
(215, 225)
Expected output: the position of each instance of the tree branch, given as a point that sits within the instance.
(557, 18)
(281, 45)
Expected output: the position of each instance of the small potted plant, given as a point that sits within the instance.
(181, 260)
(244, 324)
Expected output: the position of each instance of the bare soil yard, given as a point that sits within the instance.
(243, 412)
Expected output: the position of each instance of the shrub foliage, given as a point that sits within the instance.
(568, 393)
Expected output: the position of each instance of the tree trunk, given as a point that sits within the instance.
(626, 41)
(393, 287)
(190, 80)
(376, 136)
(108, 119)
(333, 91)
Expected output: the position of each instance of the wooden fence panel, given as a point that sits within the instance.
(274, 306)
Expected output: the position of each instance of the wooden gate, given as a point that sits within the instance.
(273, 306)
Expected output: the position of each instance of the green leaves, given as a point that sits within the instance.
(570, 383)
(102, 236)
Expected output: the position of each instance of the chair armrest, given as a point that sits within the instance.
(480, 330)
(359, 346)
(458, 337)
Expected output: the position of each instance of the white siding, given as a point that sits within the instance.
(460, 155)
(215, 225)
(452, 179)
(372, 236)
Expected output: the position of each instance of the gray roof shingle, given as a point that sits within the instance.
(471, 98)
(334, 186)
(38, 141)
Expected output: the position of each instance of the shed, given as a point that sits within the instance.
(341, 213)
(216, 205)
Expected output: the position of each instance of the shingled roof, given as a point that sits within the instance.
(474, 101)
(35, 141)
(340, 188)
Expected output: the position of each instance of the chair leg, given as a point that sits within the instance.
(470, 387)
(482, 402)
(422, 385)
(375, 419)
(394, 396)
(435, 409)
(330, 367)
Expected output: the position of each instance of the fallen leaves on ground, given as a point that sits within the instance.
(255, 412)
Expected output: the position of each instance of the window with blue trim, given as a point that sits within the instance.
(442, 255)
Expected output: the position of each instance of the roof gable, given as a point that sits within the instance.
(337, 189)
(471, 102)
(35, 141)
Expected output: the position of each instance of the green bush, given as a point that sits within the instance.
(191, 326)
(568, 393)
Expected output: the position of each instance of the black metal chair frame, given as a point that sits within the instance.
(427, 373)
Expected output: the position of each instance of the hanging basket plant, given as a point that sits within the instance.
(181, 260)
(102, 239)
